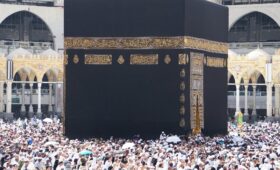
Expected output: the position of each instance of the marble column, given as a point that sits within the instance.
(237, 98)
(55, 98)
(9, 97)
(50, 98)
(1, 97)
(254, 112)
(246, 100)
(23, 98)
(59, 98)
(9, 115)
(31, 111)
(277, 100)
(39, 111)
(269, 100)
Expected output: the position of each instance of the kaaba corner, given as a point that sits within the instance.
(145, 66)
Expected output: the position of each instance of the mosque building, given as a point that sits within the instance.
(253, 63)
(31, 57)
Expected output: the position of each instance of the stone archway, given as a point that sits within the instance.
(236, 14)
(257, 22)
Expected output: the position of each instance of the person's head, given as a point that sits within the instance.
(170, 164)
(196, 167)
(272, 160)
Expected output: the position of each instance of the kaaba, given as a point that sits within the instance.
(140, 67)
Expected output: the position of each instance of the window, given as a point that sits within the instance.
(25, 26)
(255, 27)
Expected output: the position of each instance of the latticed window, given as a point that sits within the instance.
(25, 26)
(255, 27)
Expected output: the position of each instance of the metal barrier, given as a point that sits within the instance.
(30, 2)
(34, 47)
(243, 2)
(250, 93)
(254, 45)
(27, 92)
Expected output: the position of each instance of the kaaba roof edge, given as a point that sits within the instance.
(146, 18)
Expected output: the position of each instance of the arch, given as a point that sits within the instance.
(37, 14)
(30, 73)
(46, 14)
(45, 78)
(255, 75)
(17, 78)
(261, 80)
(245, 77)
(22, 75)
(56, 72)
(237, 13)
(231, 78)
(51, 75)
(243, 28)
(37, 26)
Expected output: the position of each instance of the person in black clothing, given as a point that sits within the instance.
(56, 162)
(3, 160)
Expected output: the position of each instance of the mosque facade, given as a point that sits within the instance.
(253, 63)
(31, 57)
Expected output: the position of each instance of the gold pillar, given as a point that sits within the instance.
(197, 129)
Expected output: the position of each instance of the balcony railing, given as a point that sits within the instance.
(18, 92)
(254, 45)
(250, 93)
(34, 47)
(242, 2)
(35, 2)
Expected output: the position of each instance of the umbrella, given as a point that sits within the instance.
(128, 145)
(48, 120)
(85, 152)
(173, 139)
(51, 143)
(237, 139)
(233, 134)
